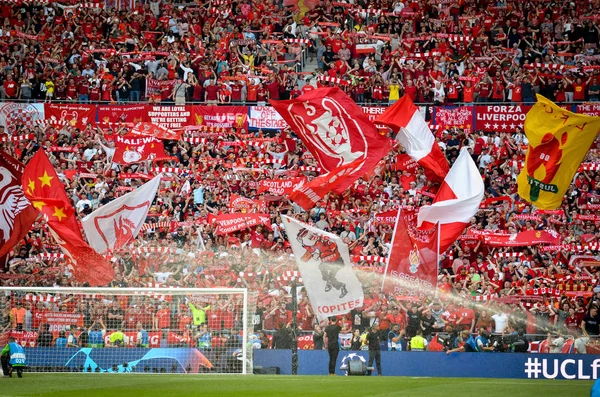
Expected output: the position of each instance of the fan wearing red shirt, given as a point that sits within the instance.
(468, 92)
(411, 90)
(94, 95)
(257, 237)
(273, 87)
(466, 319)
(579, 89)
(10, 88)
(162, 318)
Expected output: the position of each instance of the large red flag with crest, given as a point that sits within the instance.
(16, 213)
(338, 134)
(334, 129)
(130, 149)
(412, 267)
(46, 192)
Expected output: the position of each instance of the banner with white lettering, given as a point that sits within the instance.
(502, 118)
(229, 223)
(324, 263)
(266, 118)
(462, 117)
(131, 149)
(281, 187)
(78, 116)
(115, 114)
(170, 116)
(590, 109)
(221, 116)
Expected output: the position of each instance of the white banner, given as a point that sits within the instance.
(115, 224)
(265, 117)
(29, 114)
(325, 267)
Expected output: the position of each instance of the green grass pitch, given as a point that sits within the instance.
(133, 385)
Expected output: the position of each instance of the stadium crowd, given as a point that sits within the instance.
(249, 51)
(439, 51)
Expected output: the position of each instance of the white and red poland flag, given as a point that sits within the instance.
(413, 133)
(456, 202)
(324, 263)
(338, 134)
(115, 224)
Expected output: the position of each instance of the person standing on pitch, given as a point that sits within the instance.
(13, 358)
(332, 333)
(374, 342)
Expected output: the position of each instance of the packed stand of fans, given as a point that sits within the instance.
(252, 51)
(525, 289)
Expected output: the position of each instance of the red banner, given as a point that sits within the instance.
(60, 321)
(153, 338)
(591, 109)
(222, 116)
(403, 162)
(503, 118)
(412, 267)
(229, 223)
(77, 115)
(388, 217)
(133, 149)
(280, 187)
(522, 239)
(455, 117)
(25, 338)
(243, 204)
(114, 114)
(178, 339)
(170, 116)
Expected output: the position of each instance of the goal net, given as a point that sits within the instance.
(138, 330)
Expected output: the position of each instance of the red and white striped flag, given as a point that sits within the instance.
(413, 133)
(456, 202)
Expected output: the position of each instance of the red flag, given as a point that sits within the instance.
(413, 133)
(280, 187)
(47, 194)
(412, 267)
(338, 134)
(309, 194)
(335, 130)
(238, 203)
(156, 131)
(16, 212)
(132, 149)
(229, 223)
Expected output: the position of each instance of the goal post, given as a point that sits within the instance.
(131, 330)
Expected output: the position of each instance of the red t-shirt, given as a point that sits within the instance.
(579, 92)
(212, 92)
(10, 88)
(164, 318)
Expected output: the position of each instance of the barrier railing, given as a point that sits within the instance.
(486, 117)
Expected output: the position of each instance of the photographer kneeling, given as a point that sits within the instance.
(474, 345)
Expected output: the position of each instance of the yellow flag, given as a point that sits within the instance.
(558, 142)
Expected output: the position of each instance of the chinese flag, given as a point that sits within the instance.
(16, 213)
(45, 191)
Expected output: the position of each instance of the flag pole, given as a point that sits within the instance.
(387, 263)
(437, 251)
